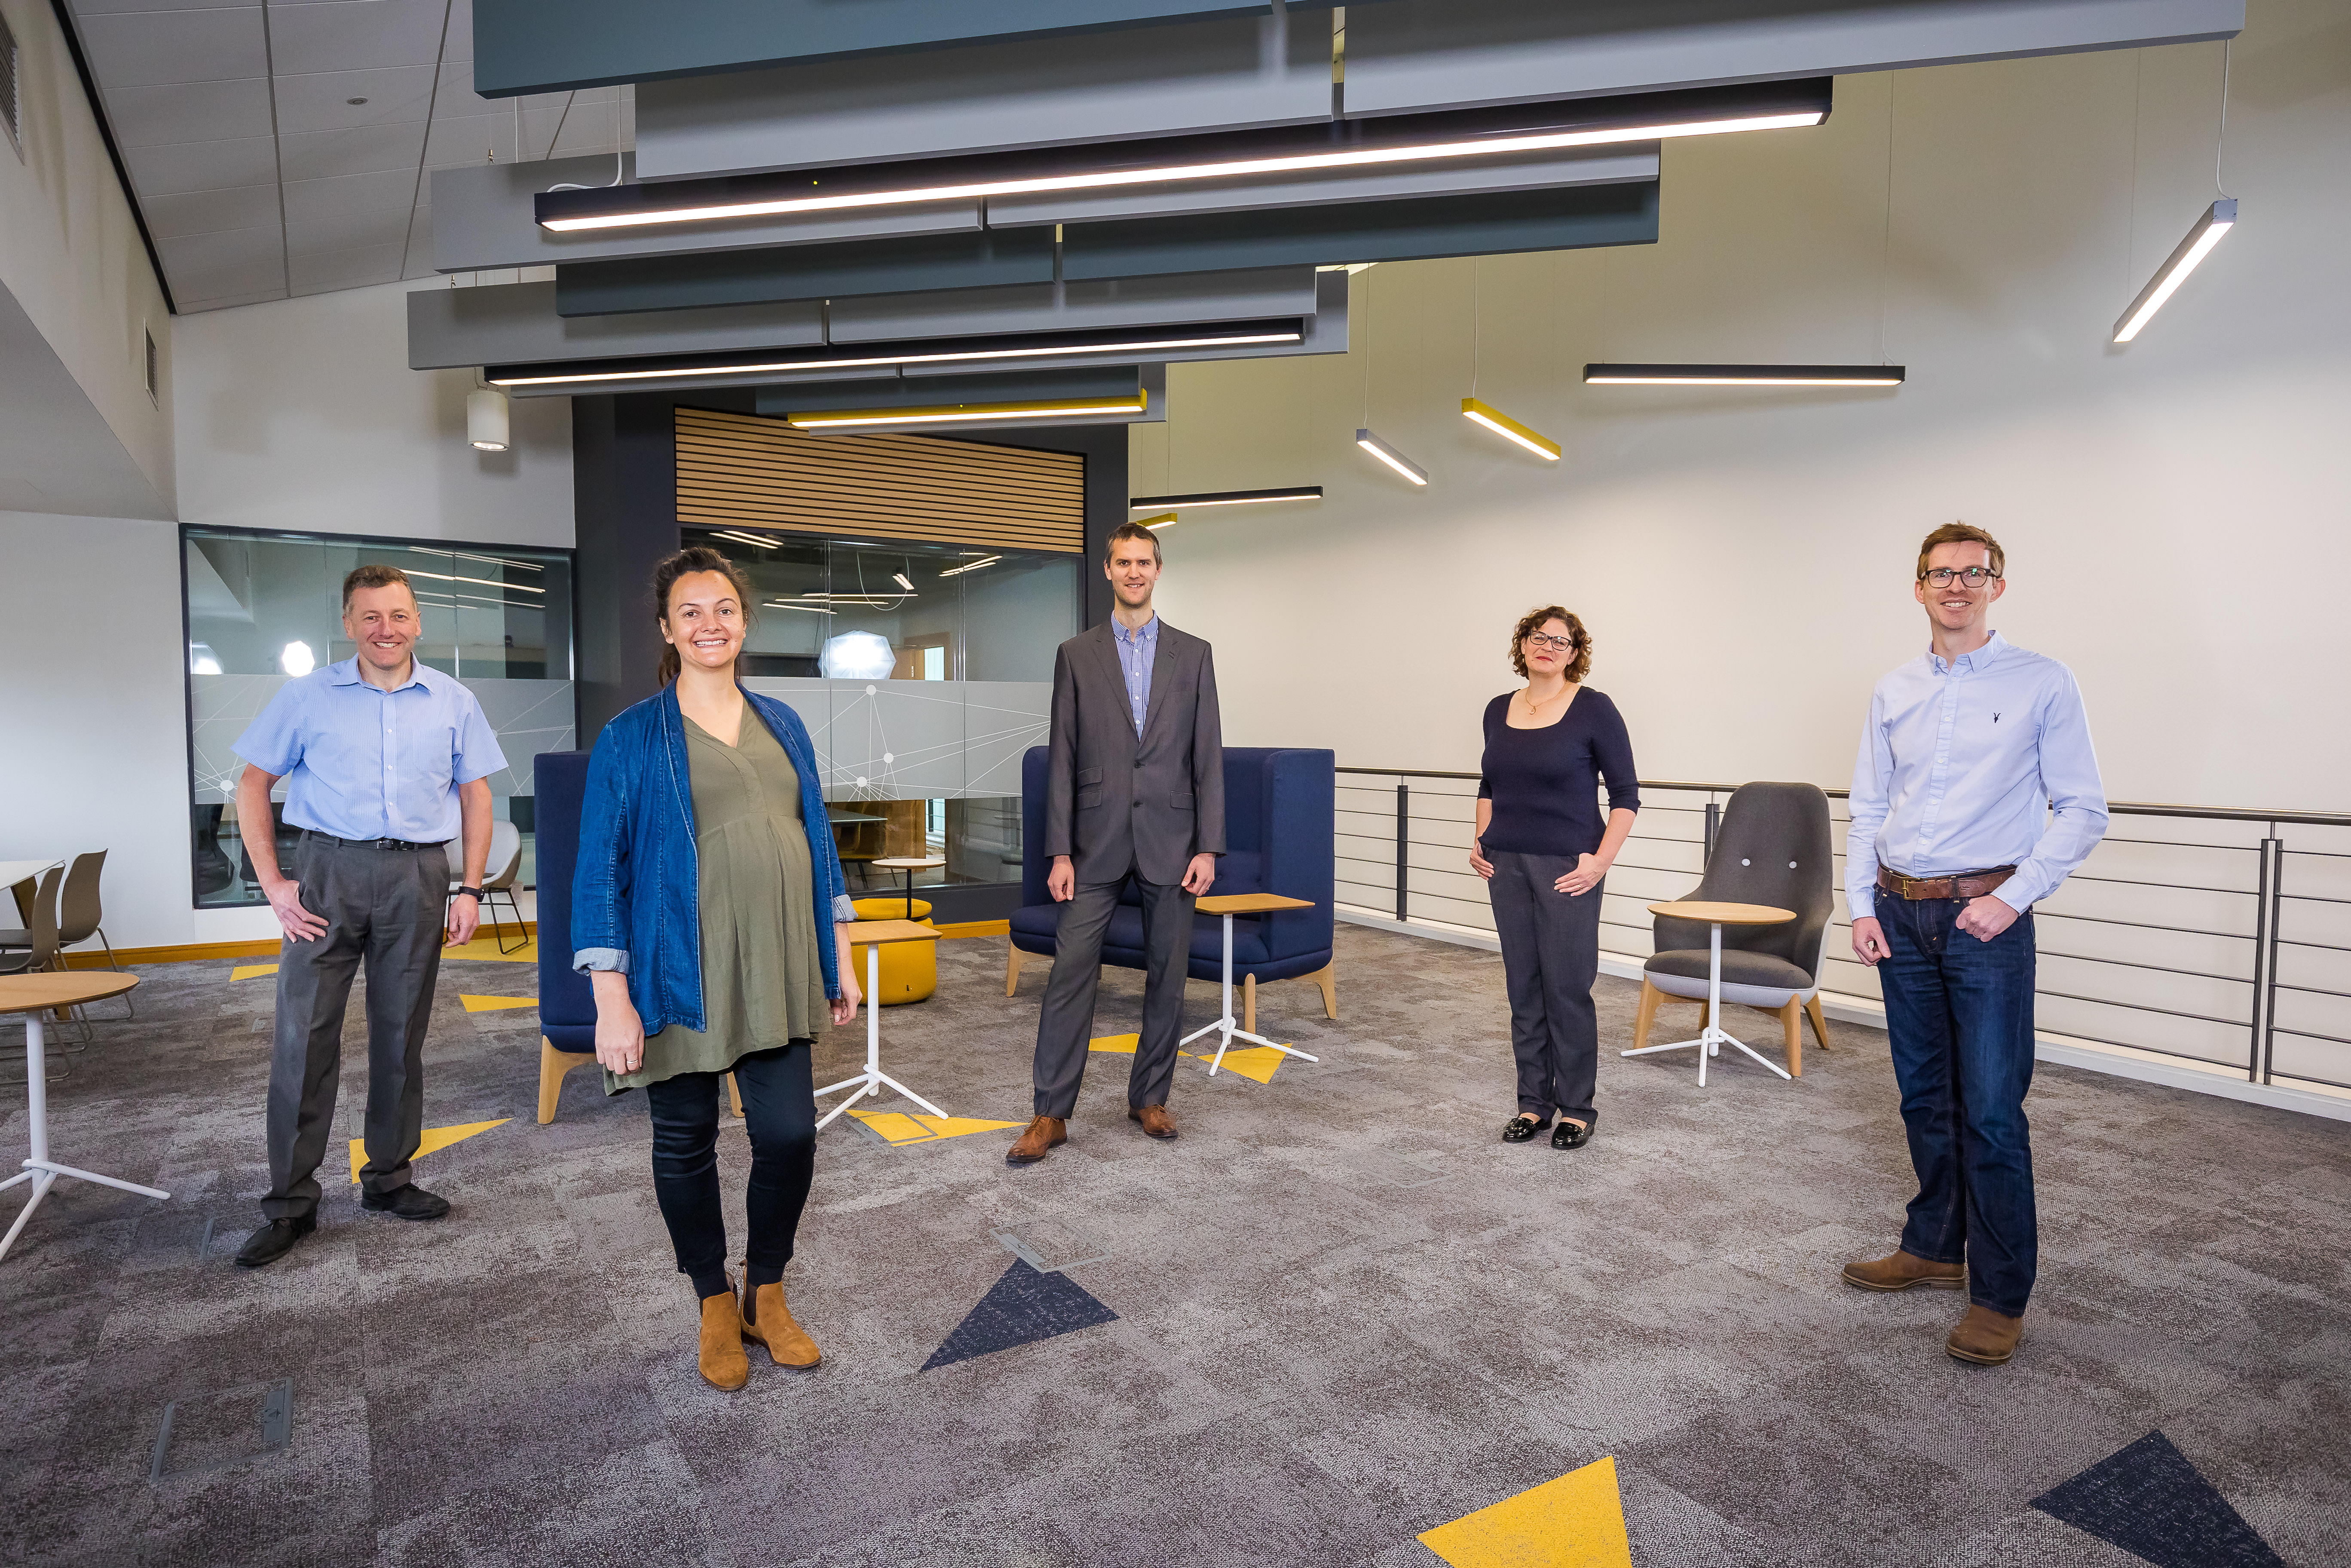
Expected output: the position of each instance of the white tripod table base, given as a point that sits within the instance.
(40, 1170)
(873, 1080)
(1229, 1026)
(1713, 1036)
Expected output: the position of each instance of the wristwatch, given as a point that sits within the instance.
(474, 890)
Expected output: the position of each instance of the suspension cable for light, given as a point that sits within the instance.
(1382, 141)
(1746, 375)
(1225, 498)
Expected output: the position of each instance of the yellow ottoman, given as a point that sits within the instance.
(910, 970)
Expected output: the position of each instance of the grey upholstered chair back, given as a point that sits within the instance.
(1773, 847)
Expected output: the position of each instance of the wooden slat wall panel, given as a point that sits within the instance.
(740, 470)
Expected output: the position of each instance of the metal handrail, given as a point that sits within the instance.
(2261, 1021)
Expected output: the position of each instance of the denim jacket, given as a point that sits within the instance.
(634, 907)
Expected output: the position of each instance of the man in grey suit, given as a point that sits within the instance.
(1134, 788)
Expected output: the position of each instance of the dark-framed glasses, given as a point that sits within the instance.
(1556, 644)
(1973, 576)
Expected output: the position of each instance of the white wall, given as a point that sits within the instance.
(71, 257)
(94, 712)
(302, 413)
(2175, 511)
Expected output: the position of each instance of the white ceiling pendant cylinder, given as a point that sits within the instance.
(485, 419)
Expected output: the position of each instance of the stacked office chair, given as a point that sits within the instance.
(1773, 849)
(80, 915)
(34, 948)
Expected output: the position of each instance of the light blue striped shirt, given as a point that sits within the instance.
(1978, 762)
(360, 762)
(1136, 649)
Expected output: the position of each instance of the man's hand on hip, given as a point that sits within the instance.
(1061, 882)
(464, 919)
(286, 900)
(1869, 940)
(1200, 875)
(1986, 918)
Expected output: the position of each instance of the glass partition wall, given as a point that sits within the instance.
(923, 672)
(264, 607)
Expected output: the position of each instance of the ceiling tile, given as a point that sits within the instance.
(201, 165)
(589, 128)
(354, 150)
(321, 101)
(227, 282)
(232, 248)
(473, 140)
(189, 111)
(210, 212)
(117, 7)
(348, 195)
(345, 230)
(355, 34)
(319, 272)
(195, 306)
(461, 31)
(175, 46)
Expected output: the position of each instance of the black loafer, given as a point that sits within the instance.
(274, 1241)
(1523, 1126)
(1568, 1135)
(410, 1202)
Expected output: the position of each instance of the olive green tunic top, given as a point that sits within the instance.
(762, 976)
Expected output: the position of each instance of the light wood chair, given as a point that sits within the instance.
(554, 1064)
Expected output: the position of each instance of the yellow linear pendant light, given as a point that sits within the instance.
(1510, 429)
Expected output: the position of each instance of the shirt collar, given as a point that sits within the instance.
(1147, 632)
(1982, 659)
(346, 673)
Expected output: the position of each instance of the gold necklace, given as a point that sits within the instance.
(1527, 694)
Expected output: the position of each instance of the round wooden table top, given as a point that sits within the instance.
(39, 993)
(1724, 914)
(911, 863)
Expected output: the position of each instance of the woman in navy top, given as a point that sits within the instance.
(1542, 848)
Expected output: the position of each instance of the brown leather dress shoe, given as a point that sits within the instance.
(767, 1319)
(1985, 1337)
(1902, 1272)
(1043, 1134)
(1157, 1120)
(723, 1364)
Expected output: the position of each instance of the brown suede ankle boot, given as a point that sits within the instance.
(1985, 1337)
(767, 1319)
(723, 1364)
(1901, 1271)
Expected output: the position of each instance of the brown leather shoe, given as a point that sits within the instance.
(1043, 1134)
(723, 1364)
(1901, 1271)
(768, 1321)
(1985, 1337)
(1157, 1120)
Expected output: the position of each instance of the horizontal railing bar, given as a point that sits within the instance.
(2313, 898)
(2176, 886)
(2159, 968)
(2150, 1008)
(2306, 1034)
(2321, 947)
(2316, 991)
(2141, 924)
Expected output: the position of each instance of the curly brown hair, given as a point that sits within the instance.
(692, 559)
(1533, 621)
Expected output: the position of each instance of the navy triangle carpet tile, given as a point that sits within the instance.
(2150, 1502)
(1022, 1308)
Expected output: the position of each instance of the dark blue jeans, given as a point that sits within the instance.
(1959, 1011)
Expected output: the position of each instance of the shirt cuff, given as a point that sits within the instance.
(601, 960)
(1861, 903)
(844, 909)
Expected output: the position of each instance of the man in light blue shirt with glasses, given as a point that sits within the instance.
(385, 760)
(1975, 794)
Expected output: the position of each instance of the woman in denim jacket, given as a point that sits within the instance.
(705, 913)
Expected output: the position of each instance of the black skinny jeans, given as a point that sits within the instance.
(779, 1112)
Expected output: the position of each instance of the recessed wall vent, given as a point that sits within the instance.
(154, 393)
(10, 98)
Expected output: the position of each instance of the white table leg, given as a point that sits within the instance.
(872, 1080)
(1230, 1026)
(40, 1170)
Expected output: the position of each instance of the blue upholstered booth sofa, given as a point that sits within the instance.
(1279, 824)
(567, 1007)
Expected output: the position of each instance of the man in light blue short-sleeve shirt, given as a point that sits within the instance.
(385, 762)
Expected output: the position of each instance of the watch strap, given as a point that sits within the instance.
(474, 890)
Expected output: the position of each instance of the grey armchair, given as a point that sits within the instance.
(1773, 849)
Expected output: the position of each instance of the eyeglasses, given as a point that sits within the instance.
(1556, 644)
(1973, 576)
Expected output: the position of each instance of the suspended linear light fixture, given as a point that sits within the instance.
(969, 566)
(967, 414)
(1392, 458)
(1383, 141)
(1244, 335)
(743, 538)
(1227, 497)
(1165, 520)
(900, 578)
(2211, 230)
(1745, 375)
(1510, 429)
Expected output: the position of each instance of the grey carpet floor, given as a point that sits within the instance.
(1345, 1313)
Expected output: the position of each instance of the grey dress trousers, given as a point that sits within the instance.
(387, 908)
(1125, 805)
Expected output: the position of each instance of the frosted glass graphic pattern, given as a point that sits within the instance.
(913, 740)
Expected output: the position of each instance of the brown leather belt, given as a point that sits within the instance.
(1966, 885)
